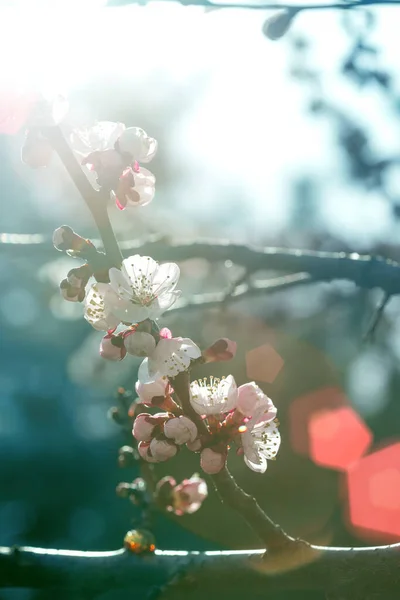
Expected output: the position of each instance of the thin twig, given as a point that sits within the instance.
(369, 335)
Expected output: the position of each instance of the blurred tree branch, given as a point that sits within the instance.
(340, 572)
(265, 6)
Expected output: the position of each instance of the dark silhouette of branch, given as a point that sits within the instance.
(362, 269)
(267, 5)
(365, 572)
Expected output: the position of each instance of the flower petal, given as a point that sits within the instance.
(97, 307)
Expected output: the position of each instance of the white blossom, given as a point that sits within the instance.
(170, 357)
(143, 289)
(214, 397)
(135, 142)
(139, 343)
(102, 136)
(97, 307)
(253, 403)
(260, 443)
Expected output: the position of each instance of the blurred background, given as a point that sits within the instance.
(294, 143)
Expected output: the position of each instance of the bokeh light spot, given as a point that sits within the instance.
(338, 437)
(374, 492)
(304, 407)
(263, 363)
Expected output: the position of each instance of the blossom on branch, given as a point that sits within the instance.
(214, 397)
(135, 142)
(181, 430)
(143, 289)
(97, 308)
(260, 441)
(114, 152)
(144, 426)
(112, 347)
(212, 461)
(136, 187)
(162, 449)
(139, 343)
(170, 357)
(252, 402)
(185, 498)
(151, 394)
(221, 350)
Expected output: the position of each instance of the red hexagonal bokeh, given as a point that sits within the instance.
(338, 437)
(263, 363)
(374, 492)
(304, 407)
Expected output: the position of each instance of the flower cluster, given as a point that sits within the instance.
(114, 152)
(125, 303)
(243, 415)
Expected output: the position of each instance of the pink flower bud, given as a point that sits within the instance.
(143, 427)
(152, 394)
(194, 446)
(162, 449)
(37, 150)
(211, 461)
(222, 349)
(189, 495)
(144, 452)
(71, 293)
(111, 348)
(139, 343)
(277, 25)
(180, 430)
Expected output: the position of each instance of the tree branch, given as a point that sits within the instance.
(359, 571)
(362, 269)
(231, 494)
(96, 200)
(267, 5)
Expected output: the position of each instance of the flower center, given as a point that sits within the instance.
(211, 389)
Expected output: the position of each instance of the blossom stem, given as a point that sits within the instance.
(96, 200)
(273, 536)
(181, 385)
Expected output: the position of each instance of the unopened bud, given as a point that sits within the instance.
(162, 449)
(222, 349)
(111, 348)
(276, 26)
(71, 293)
(211, 461)
(64, 238)
(79, 276)
(126, 456)
(123, 489)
